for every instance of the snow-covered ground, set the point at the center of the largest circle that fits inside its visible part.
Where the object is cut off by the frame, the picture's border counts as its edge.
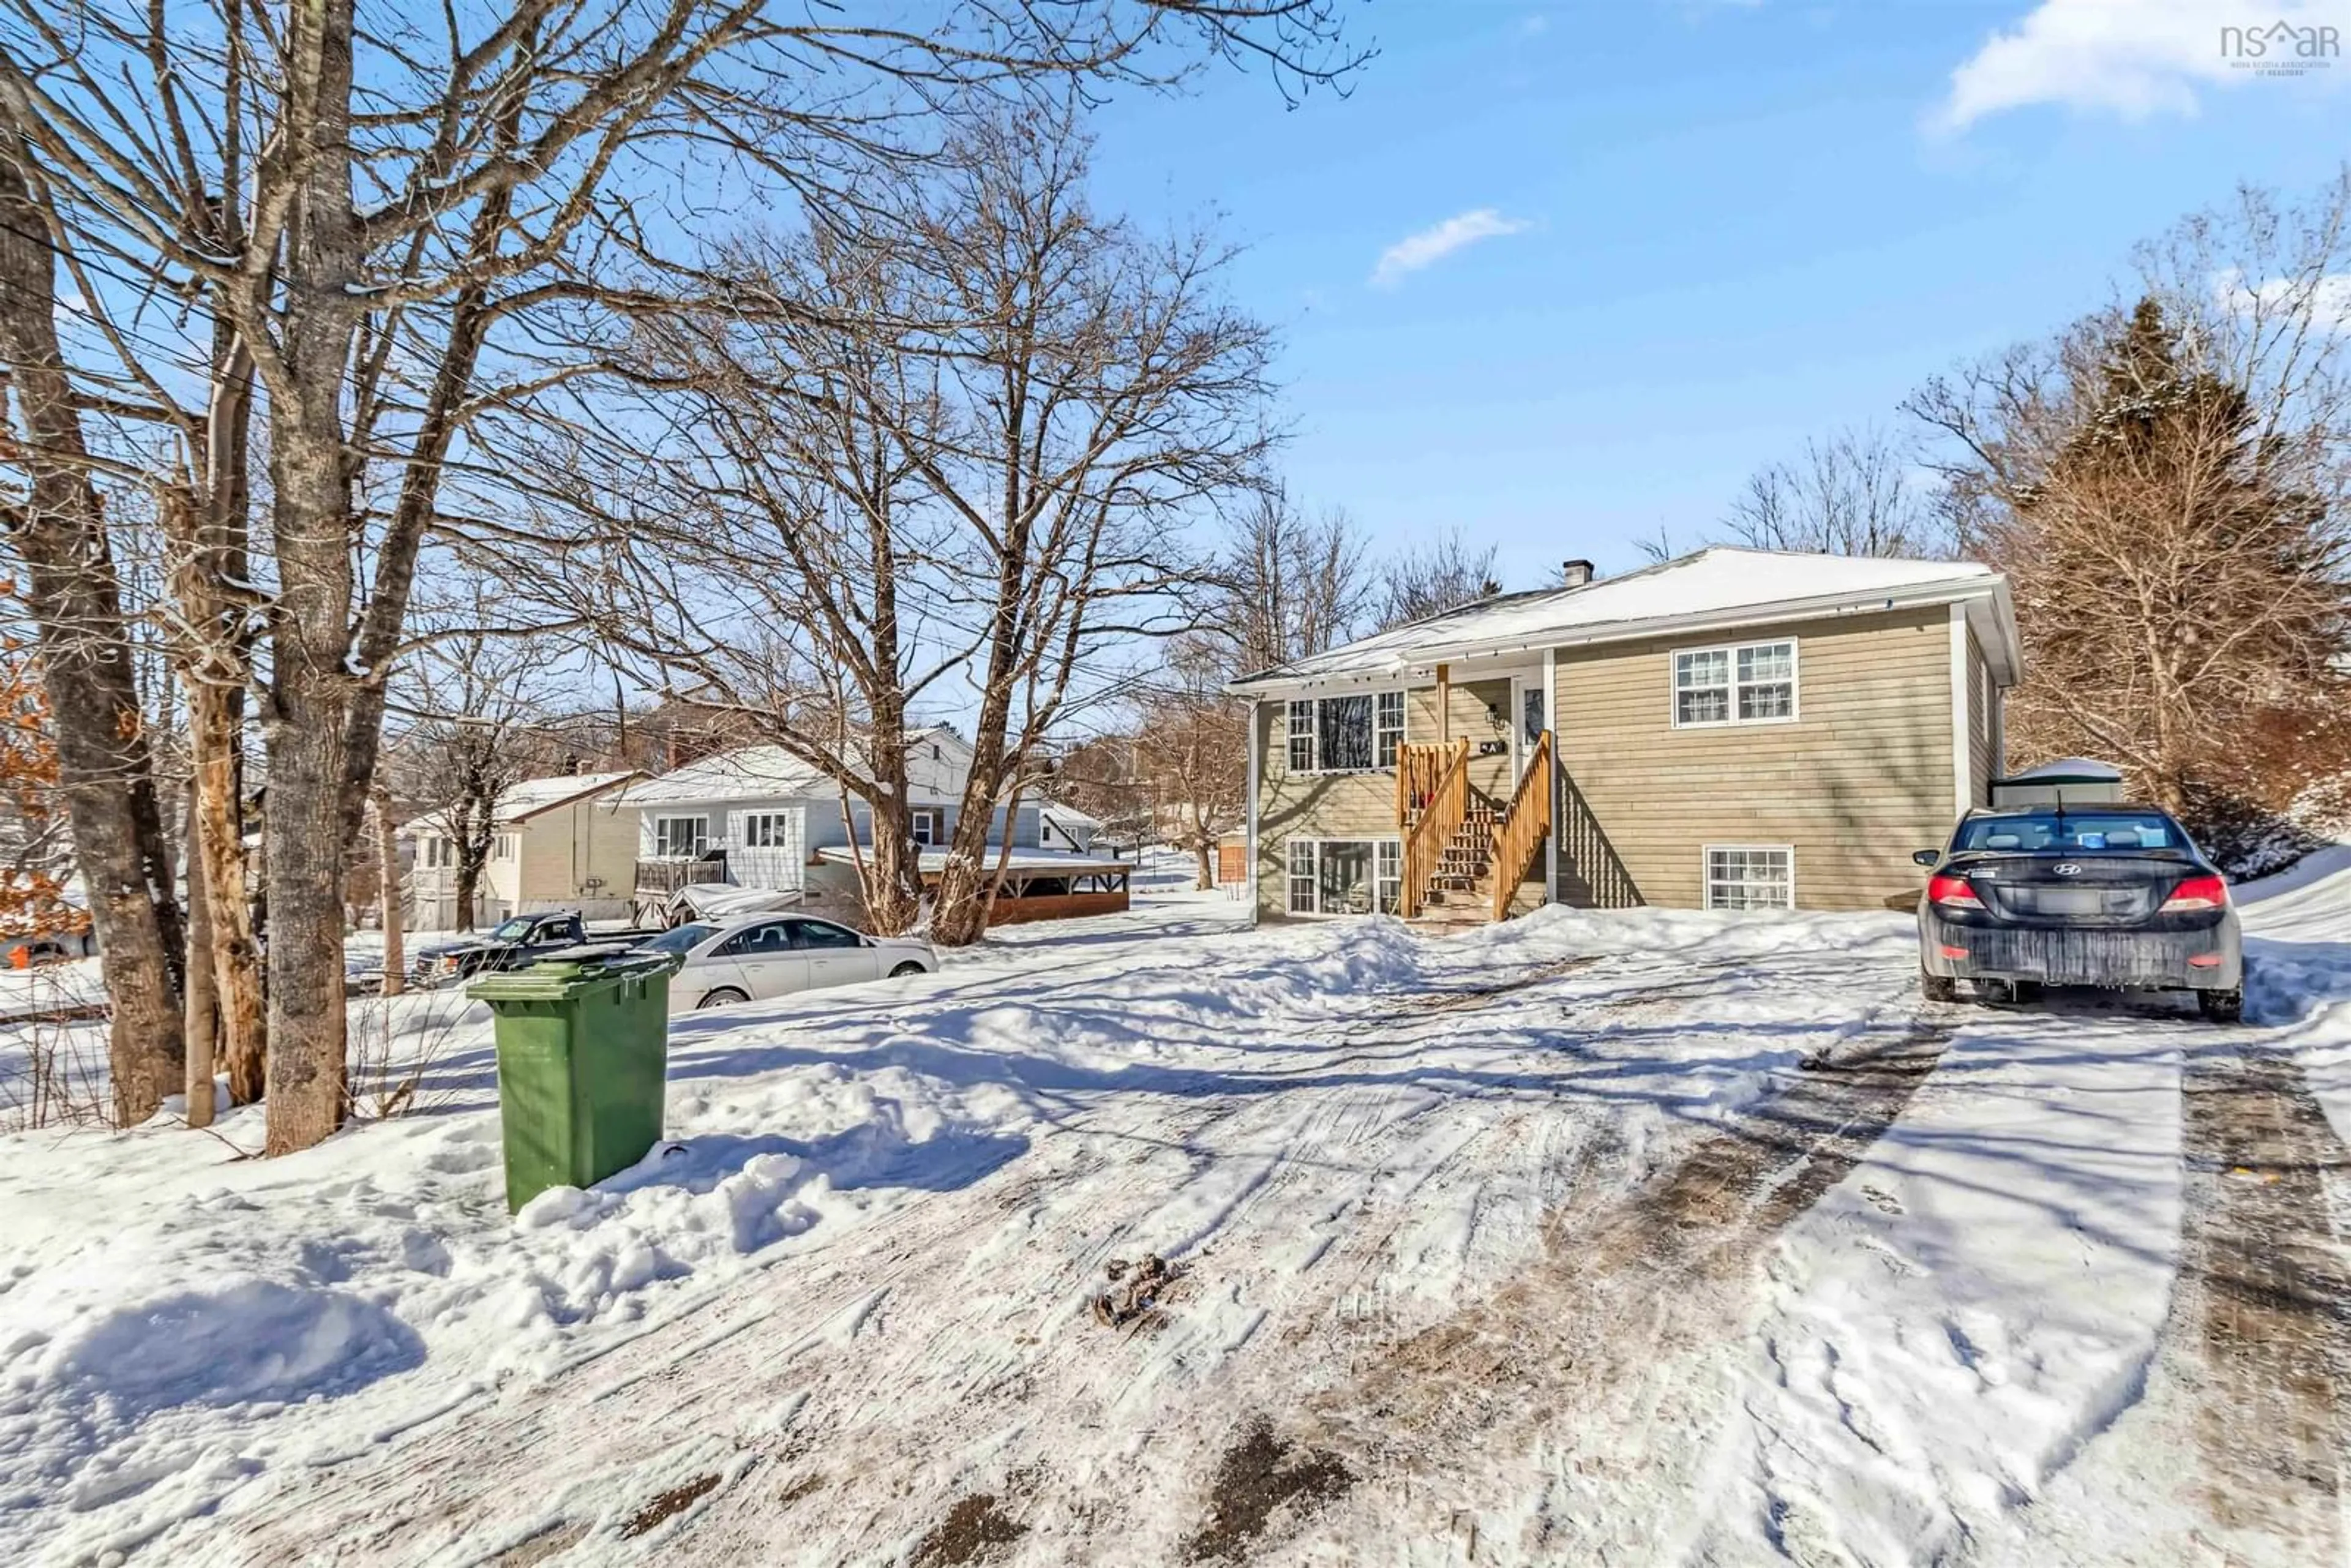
(1626, 1237)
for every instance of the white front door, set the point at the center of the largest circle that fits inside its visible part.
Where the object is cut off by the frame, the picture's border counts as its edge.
(1528, 719)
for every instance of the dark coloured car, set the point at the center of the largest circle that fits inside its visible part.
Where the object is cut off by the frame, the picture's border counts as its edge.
(2106, 895)
(513, 944)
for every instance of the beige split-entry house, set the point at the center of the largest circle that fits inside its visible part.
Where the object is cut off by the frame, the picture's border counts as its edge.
(564, 842)
(1734, 729)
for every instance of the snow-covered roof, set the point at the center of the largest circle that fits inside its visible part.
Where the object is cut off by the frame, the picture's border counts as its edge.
(526, 799)
(1720, 586)
(770, 772)
(520, 801)
(748, 772)
(1064, 816)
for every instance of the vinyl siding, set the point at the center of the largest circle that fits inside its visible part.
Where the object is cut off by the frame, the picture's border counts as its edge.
(1981, 696)
(1471, 706)
(1312, 805)
(1857, 781)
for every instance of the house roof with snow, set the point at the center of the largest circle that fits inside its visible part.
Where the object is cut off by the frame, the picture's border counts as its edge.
(519, 802)
(1721, 586)
(528, 797)
(770, 772)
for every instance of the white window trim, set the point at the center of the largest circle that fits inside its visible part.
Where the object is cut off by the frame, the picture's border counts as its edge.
(1402, 730)
(779, 829)
(1377, 841)
(1706, 871)
(1730, 652)
(923, 822)
(701, 817)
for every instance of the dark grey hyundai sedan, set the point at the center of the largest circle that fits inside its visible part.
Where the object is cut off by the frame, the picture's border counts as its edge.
(2106, 896)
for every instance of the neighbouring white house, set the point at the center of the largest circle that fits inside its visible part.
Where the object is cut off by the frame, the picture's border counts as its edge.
(756, 817)
(565, 843)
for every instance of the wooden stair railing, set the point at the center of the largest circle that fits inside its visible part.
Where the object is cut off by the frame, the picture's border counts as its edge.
(1418, 771)
(1443, 806)
(1519, 835)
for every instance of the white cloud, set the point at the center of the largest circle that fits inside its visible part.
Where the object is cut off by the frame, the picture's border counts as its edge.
(1433, 244)
(2132, 58)
(2324, 300)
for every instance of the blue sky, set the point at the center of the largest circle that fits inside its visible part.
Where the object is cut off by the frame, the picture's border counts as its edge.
(1691, 231)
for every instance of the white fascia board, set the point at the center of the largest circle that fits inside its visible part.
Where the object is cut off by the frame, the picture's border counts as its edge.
(1962, 733)
(1394, 665)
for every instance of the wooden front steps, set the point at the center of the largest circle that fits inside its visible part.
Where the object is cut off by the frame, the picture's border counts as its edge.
(1460, 891)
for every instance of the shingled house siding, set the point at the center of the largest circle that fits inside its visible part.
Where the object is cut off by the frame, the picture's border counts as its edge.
(1857, 781)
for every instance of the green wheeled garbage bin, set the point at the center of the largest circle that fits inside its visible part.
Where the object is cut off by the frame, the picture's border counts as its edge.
(583, 1059)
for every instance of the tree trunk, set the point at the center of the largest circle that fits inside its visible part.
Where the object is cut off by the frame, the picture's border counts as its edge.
(1203, 847)
(234, 953)
(312, 678)
(203, 997)
(959, 915)
(893, 868)
(104, 770)
(387, 879)
(469, 884)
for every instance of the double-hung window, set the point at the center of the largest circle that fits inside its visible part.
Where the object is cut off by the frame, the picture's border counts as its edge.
(767, 831)
(1751, 876)
(1387, 733)
(1345, 876)
(1749, 683)
(1301, 736)
(1346, 735)
(925, 823)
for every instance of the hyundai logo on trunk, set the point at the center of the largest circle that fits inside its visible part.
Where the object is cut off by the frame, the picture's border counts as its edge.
(2067, 868)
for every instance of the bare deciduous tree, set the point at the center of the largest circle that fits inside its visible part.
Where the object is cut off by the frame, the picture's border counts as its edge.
(945, 456)
(1430, 579)
(1191, 748)
(380, 214)
(1289, 585)
(1853, 493)
(2179, 547)
(56, 529)
(475, 693)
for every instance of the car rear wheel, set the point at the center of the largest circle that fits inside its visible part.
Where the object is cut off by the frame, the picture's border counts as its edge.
(1938, 987)
(2223, 1006)
(725, 996)
(906, 969)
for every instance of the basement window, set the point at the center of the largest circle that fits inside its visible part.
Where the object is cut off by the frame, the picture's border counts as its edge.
(1345, 876)
(1751, 876)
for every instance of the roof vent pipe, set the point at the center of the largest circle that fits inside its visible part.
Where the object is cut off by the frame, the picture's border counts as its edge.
(1576, 573)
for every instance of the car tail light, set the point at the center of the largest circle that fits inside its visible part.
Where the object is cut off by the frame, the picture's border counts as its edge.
(2196, 893)
(2205, 961)
(1952, 890)
(1950, 952)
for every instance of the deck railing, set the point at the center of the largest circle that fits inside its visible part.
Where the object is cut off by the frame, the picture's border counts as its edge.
(1519, 831)
(1418, 771)
(1443, 807)
(667, 875)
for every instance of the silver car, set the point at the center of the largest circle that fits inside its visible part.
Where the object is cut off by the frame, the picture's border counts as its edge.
(763, 956)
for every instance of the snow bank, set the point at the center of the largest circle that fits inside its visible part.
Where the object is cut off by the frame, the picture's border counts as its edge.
(321, 1306)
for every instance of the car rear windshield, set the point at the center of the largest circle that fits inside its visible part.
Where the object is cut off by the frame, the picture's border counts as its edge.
(2069, 833)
